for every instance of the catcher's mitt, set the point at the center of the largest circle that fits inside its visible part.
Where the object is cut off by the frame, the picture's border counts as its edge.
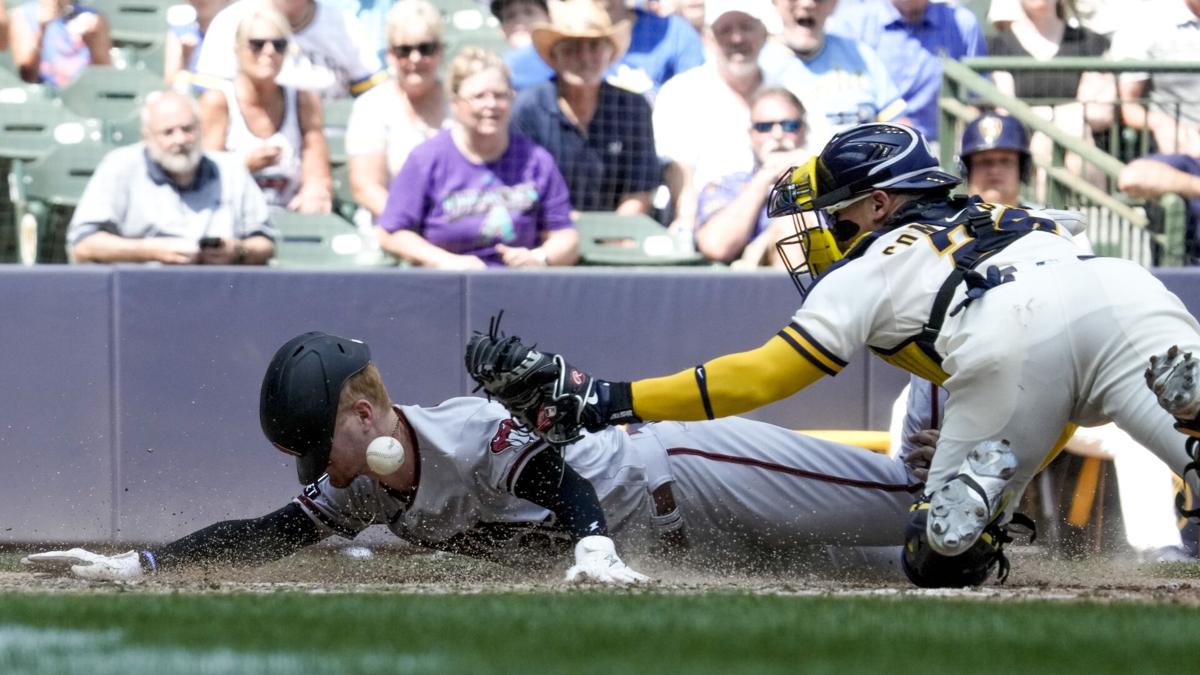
(543, 392)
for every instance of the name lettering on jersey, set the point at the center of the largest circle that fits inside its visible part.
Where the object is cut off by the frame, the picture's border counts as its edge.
(905, 239)
(508, 435)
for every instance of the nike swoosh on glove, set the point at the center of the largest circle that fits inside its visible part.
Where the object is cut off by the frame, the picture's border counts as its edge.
(87, 565)
(596, 560)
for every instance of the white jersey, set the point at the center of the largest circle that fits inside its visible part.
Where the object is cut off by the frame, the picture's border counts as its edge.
(331, 55)
(738, 484)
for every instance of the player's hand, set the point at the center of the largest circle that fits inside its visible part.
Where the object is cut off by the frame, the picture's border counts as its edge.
(596, 560)
(919, 457)
(86, 565)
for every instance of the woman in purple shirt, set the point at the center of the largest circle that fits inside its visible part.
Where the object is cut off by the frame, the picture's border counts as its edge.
(474, 195)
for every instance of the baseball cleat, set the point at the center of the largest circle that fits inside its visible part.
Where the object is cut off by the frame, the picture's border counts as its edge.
(960, 510)
(1174, 377)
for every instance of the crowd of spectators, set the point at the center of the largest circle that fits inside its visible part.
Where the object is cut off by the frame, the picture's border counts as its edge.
(686, 111)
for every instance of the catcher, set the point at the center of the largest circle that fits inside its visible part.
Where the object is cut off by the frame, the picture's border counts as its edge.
(472, 482)
(993, 303)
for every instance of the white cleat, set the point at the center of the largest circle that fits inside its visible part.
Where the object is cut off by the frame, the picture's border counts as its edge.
(1174, 377)
(961, 509)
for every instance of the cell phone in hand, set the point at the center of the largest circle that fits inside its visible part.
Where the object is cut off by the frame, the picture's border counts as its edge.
(211, 242)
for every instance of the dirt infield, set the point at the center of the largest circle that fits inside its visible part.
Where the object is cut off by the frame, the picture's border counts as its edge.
(1034, 577)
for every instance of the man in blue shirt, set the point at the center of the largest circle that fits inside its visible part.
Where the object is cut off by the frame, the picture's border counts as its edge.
(1156, 175)
(910, 36)
(660, 48)
(517, 18)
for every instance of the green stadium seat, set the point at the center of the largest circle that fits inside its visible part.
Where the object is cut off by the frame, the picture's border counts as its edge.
(110, 94)
(343, 196)
(308, 240)
(48, 190)
(32, 128)
(607, 238)
(137, 23)
(337, 115)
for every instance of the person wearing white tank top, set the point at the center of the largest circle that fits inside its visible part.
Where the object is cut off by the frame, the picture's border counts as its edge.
(277, 131)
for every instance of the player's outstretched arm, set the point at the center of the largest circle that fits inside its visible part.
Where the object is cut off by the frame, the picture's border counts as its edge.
(551, 483)
(254, 541)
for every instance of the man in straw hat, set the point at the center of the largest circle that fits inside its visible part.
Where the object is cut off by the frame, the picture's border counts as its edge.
(600, 135)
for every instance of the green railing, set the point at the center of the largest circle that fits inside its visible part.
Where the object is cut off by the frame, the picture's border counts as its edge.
(1119, 226)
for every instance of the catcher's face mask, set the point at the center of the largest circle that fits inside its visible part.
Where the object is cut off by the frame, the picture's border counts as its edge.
(820, 238)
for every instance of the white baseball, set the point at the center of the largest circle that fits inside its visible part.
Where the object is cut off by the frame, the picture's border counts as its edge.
(384, 455)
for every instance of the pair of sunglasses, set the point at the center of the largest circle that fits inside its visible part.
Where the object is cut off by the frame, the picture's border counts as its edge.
(425, 49)
(278, 44)
(788, 126)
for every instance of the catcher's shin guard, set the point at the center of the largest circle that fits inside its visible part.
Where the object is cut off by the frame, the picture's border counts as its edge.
(927, 568)
(960, 509)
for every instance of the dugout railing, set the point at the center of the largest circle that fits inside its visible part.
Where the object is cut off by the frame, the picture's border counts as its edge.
(1151, 233)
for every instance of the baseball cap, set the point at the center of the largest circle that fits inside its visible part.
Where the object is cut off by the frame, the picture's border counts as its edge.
(299, 396)
(763, 10)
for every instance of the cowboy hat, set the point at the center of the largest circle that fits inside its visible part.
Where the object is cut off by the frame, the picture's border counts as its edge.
(579, 19)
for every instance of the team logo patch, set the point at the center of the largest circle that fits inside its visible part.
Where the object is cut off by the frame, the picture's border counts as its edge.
(546, 417)
(508, 436)
(576, 377)
(990, 129)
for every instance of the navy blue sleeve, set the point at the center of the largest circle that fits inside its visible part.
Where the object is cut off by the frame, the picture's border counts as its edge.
(551, 483)
(254, 541)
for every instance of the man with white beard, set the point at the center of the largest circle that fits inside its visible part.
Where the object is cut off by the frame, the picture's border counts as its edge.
(165, 200)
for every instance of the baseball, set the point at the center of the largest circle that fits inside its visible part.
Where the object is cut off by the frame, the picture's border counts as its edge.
(384, 455)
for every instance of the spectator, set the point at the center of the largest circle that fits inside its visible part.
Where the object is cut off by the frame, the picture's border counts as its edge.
(165, 200)
(332, 54)
(733, 209)
(599, 136)
(387, 122)
(1077, 103)
(737, 32)
(1164, 30)
(836, 75)
(691, 11)
(994, 158)
(54, 40)
(3, 27)
(1156, 175)
(476, 195)
(517, 19)
(188, 25)
(911, 37)
(276, 130)
(660, 48)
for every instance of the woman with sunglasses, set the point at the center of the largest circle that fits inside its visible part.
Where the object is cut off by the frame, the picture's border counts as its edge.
(390, 120)
(278, 131)
(474, 195)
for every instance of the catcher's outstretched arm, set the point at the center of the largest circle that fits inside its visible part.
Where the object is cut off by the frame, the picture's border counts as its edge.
(732, 384)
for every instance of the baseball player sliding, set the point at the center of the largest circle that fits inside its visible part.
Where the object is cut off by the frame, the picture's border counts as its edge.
(993, 303)
(468, 480)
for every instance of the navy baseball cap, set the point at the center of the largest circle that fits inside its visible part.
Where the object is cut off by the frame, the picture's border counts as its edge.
(299, 398)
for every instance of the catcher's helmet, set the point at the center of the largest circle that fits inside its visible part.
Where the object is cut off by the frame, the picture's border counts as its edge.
(854, 162)
(994, 132)
(299, 398)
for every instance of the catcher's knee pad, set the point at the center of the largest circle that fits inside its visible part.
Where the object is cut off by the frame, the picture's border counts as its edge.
(961, 508)
(927, 568)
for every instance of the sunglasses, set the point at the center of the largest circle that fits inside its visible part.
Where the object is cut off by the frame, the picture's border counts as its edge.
(788, 126)
(425, 49)
(278, 44)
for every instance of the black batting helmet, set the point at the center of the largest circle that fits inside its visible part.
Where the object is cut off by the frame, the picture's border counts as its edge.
(995, 132)
(298, 402)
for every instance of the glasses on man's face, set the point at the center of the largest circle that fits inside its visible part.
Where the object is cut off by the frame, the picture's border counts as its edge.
(425, 49)
(258, 44)
(788, 126)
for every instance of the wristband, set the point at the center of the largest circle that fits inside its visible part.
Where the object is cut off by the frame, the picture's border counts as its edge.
(151, 561)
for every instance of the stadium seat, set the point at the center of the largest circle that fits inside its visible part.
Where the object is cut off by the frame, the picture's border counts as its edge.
(137, 23)
(337, 115)
(110, 94)
(607, 238)
(47, 191)
(343, 196)
(310, 240)
(33, 128)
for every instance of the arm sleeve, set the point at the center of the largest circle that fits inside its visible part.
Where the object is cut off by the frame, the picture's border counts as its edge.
(103, 203)
(256, 541)
(691, 49)
(255, 215)
(363, 64)
(366, 129)
(888, 101)
(408, 193)
(736, 383)
(551, 483)
(555, 196)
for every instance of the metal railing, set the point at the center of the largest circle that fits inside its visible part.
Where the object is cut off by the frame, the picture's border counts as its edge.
(1119, 226)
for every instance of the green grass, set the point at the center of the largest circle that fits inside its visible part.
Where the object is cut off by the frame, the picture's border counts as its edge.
(581, 633)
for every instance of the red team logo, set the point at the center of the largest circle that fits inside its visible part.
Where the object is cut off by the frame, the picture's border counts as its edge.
(501, 441)
(576, 377)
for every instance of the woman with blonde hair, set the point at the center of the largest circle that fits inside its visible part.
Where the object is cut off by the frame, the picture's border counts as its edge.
(390, 120)
(278, 131)
(475, 195)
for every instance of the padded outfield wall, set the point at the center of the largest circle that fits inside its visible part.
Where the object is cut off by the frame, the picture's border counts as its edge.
(130, 394)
